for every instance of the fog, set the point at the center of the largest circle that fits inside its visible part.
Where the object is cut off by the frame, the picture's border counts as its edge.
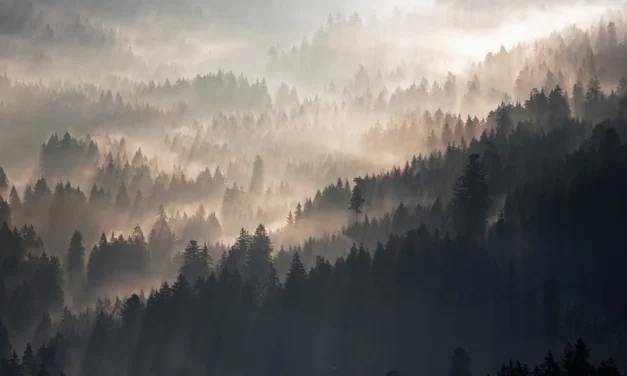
(312, 91)
(241, 142)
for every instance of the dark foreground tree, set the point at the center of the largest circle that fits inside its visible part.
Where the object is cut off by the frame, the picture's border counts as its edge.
(471, 201)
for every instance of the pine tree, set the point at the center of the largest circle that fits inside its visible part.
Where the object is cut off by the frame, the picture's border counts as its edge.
(238, 254)
(95, 361)
(607, 368)
(42, 331)
(356, 203)
(295, 282)
(549, 367)
(29, 364)
(256, 182)
(5, 211)
(621, 90)
(579, 99)
(5, 342)
(298, 214)
(258, 258)
(575, 361)
(581, 360)
(161, 237)
(15, 365)
(460, 363)
(504, 122)
(76, 260)
(195, 262)
(558, 104)
(4, 181)
(593, 97)
(16, 205)
(471, 201)
(122, 200)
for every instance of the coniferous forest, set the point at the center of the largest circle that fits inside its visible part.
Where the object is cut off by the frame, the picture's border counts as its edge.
(281, 187)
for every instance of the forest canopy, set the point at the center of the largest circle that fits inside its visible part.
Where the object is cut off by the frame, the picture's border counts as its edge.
(289, 188)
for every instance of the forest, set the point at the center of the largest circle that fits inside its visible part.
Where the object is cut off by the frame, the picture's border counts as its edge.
(250, 188)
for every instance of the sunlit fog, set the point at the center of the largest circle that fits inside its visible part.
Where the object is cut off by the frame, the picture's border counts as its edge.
(290, 187)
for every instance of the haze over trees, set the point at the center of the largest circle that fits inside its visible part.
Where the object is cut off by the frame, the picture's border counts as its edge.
(289, 188)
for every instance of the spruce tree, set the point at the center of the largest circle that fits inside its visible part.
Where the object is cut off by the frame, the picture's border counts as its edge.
(460, 363)
(356, 203)
(256, 182)
(471, 201)
(5, 342)
(295, 282)
(259, 259)
(195, 262)
(76, 260)
(29, 364)
(298, 214)
(4, 181)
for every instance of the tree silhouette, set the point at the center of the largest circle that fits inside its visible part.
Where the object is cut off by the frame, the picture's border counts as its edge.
(76, 260)
(5, 342)
(471, 201)
(4, 181)
(195, 262)
(295, 282)
(357, 200)
(256, 182)
(460, 363)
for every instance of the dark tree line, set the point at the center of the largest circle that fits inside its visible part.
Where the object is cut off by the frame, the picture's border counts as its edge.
(528, 280)
(507, 238)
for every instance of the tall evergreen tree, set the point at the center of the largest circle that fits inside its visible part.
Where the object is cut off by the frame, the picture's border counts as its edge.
(471, 201)
(76, 260)
(29, 363)
(5, 211)
(256, 182)
(295, 282)
(122, 200)
(4, 181)
(298, 214)
(460, 363)
(5, 342)
(161, 238)
(550, 367)
(196, 262)
(259, 259)
(356, 203)
(16, 206)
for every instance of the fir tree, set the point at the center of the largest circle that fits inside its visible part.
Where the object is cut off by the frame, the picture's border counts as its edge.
(471, 201)
(295, 282)
(76, 260)
(195, 262)
(4, 181)
(356, 203)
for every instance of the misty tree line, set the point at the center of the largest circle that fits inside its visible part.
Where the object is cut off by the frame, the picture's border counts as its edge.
(116, 193)
(403, 305)
(506, 240)
(565, 58)
(606, 46)
(586, 160)
(429, 179)
(563, 65)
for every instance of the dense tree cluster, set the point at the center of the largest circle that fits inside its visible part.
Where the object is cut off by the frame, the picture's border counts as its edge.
(224, 225)
(478, 285)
